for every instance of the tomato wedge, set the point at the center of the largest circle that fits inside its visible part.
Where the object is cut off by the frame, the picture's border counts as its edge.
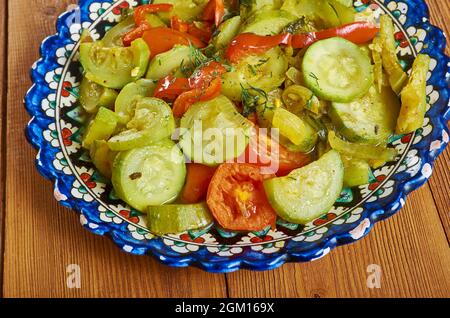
(197, 181)
(170, 87)
(265, 152)
(185, 100)
(237, 199)
(251, 44)
(206, 74)
(162, 39)
(214, 11)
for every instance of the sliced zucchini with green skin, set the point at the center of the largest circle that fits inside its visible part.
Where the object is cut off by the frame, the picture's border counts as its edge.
(101, 127)
(94, 96)
(319, 11)
(266, 71)
(361, 151)
(267, 22)
(226, 32)
(337, 70)
(114, 67)
(370, 119)
(299, 132)
(149, 176)
(213, 132)
(308, 192)
(113, 36)
(125, 104)
(186, 10)
(356, 171)
(249, 7)
(153, 120)
(177, 218)
(168, 62)
(102, 157)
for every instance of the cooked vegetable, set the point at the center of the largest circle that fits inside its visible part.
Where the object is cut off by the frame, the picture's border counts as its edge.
(113, 36)
(397, 77)
(166, 63)
(370, 119)
(337, 70)
(265, 72)
(272, 157)
(177, 218)
(248, 7)
(214, 12)
(295, 129)
(149, 176)
(152, 121)
(197, 181)
(356, 171)
(162, 39)
(214, 132)
(296, 98)
(125, 103)
(226, 32)
(101, 127)
(237, 200)
(308, 192)
(361, 151)
(267, 22)
(102, 157)
(414, 97)
(187, 10)
(94, 96)
(377, 50)
(116, 66)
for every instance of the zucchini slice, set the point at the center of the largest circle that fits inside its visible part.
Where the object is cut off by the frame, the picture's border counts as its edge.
(370, 119)
(213, 132)
(149, 176)
(308, 192)
(337, 70)
(177, 218)
(101, 127)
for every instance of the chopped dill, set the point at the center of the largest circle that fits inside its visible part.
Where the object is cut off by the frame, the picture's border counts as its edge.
(251, 98)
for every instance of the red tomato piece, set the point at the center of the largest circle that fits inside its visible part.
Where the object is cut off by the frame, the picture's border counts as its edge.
(197, 181)
(237, 199)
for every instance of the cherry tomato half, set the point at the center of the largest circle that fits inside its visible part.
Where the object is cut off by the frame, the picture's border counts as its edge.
(198, 178)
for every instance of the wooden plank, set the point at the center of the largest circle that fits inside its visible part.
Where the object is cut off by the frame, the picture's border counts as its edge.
(440, 181)
(3, 51)
(410, 249)
(42, 238)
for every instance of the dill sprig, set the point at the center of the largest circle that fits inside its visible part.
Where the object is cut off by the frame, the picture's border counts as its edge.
(252, 97)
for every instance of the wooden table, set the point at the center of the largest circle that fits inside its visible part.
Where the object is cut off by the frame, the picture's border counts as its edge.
(40, 238)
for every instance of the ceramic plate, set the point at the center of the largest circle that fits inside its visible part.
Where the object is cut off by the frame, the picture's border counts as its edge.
(56, 128)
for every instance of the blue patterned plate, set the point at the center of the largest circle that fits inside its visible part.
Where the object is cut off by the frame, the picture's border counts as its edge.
(56, 128)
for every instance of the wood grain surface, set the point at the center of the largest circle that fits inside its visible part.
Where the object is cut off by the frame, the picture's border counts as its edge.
(40, 238)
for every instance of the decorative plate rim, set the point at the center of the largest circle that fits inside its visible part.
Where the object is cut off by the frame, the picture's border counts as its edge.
(39, 122)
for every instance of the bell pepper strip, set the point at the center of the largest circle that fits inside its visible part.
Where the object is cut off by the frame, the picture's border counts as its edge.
(185, 100)
(414, 97)
(136, 33)
(202, 77)
(169, 87)
(214, 11)
(198, 178)
(141, 22)
(142, 11)
(251, 44)
(358, 33)
(204, 33)
(162, 39)
(177, 24)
